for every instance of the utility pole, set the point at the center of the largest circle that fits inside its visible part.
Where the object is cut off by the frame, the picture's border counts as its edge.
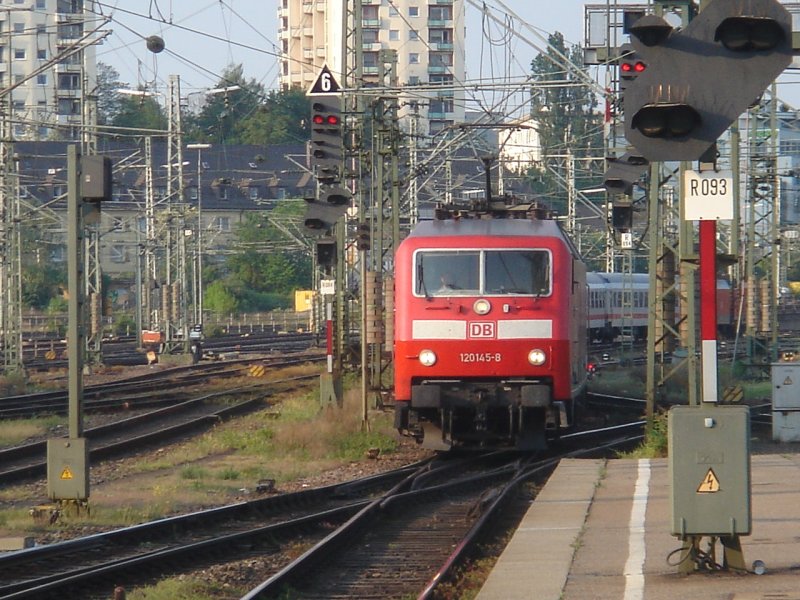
(174, 298)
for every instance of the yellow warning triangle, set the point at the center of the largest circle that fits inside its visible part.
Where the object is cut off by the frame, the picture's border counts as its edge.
(66, 473)
(710, 483)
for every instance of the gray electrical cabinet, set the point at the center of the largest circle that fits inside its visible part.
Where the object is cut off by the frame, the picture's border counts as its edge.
(709, 469)
(67, 469)
(786, 402)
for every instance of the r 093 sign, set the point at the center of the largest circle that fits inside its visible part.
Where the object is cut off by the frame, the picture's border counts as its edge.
(709, 195)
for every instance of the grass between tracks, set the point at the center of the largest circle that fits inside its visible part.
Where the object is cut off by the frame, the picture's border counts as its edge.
(291, 439)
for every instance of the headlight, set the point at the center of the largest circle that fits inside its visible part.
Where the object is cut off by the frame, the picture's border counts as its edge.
(482, 306)
(427, 358)
(537, 357)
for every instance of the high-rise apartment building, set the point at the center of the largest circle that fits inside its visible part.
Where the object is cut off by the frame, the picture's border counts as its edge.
(426, 35)
(38, 43)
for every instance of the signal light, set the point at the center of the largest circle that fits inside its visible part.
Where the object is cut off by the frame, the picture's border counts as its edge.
(667, 120)
(363, 241)
(632, 69)
(745, 34)
(326, 135)
(699, 79)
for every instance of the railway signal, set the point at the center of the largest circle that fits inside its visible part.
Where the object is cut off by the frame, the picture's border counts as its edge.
(623, 173)
(630, 65)
(700, 79)
(363, 237)
(326, 137)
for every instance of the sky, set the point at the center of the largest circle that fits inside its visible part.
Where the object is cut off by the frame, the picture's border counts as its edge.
(252, 25)
(202, 37)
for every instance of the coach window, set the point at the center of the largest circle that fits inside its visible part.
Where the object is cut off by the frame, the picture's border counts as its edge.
(517, 272)
(447, 273)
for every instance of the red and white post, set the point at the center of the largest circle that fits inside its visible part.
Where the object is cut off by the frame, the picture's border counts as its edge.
(708, 308)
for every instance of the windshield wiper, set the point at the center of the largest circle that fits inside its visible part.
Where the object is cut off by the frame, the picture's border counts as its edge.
(421, 281)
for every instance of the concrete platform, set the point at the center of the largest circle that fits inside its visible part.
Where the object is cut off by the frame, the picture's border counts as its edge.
(600, 530)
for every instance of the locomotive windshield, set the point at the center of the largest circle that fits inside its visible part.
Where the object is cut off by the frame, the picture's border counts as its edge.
(489, 272)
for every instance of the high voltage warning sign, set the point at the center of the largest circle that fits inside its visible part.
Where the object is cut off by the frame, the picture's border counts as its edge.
(710, 483)
(66, 473)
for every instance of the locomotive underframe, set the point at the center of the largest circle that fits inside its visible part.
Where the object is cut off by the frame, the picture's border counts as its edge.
(519, 413)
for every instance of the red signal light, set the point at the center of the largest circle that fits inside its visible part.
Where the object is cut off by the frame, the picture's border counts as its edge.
(318, 119)
(633, 68)
(333, 120)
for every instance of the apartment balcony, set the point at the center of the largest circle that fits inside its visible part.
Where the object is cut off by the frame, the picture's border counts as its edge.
(308, 8)
(321, 52)
(308, 53)
(440, 24)
(438, 69)
(443, 46)
(320, 6)
(371, 23)
(446, 2)
(297, 32)
(370, 70)
(375, 46)
(436, 115)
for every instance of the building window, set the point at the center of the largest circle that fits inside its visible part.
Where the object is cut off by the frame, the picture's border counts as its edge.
(58, 191)
(69, 106)
(440, 36)
(394, 35)
(371, 36)
(41, 79)
(222, 192)
(19, 27)
(69, 81)
(370, 13)
(18, 105)
(222, 224)
(41, 29)
(413, 35)
(19, 53)
(141, 224)
(413, 11)
(413, 58)
(441, 59)
(254, 192)
(117, 224)
(193, 193)
(393, 12)
(441, 105)
(441, 79)
(41, 53)
(440, 13)
(41, 4)
(413, 80)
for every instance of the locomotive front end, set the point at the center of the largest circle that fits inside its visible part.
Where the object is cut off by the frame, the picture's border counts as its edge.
(483, 349)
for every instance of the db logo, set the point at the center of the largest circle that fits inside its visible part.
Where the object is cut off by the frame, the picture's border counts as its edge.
(481, 330)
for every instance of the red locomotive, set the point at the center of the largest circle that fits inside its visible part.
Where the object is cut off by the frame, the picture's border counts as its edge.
(490, 332)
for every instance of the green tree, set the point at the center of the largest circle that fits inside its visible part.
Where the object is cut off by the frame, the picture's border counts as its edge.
(140, 112)
(219, 298)
(565, 109)
(281, 118)
(109, 100)
(220, 119)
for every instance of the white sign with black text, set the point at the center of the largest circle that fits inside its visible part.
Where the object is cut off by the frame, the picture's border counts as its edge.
(708, 195)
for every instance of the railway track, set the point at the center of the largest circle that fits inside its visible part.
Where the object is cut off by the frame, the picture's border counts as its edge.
(167, 423)
(450, 500)
(149, 390)
(410, 541)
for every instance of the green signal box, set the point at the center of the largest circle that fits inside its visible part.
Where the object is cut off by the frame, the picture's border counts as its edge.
(709, 468)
